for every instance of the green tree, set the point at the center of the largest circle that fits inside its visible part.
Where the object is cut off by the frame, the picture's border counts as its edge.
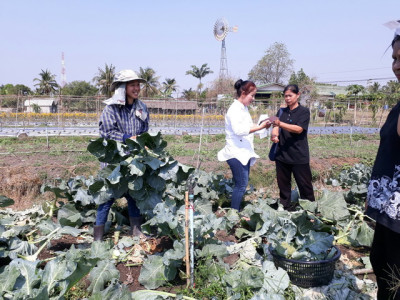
(150, 88)
(46, 83)
(391, 87)
(199, 73)
(300, 78)
(274, 66)
(36, 108)
(104, 79)
(169, 86)
(10, 89)
(354, 90)
(23, 89)
(374, 88)
(391, 91)
(79, 88)
(7, 89)
(189, 94)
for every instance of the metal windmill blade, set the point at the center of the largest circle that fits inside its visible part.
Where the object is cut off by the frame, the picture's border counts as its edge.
(221, 29)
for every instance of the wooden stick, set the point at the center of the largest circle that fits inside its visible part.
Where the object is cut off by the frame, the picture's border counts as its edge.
(363, 271)
(187, 261)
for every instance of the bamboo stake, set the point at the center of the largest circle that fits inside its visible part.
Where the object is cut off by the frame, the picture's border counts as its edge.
(187, 261)
(191, 225)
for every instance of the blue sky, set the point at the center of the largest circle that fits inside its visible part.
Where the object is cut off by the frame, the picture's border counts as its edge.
(339, 40)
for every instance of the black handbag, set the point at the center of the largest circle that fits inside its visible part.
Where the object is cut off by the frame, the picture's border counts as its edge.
(274, 147)
(272, 151)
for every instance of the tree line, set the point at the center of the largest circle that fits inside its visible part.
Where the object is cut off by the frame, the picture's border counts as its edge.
(275, 66)
(46, 84)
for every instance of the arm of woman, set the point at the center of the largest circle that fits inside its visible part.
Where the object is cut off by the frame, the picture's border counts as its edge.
(289, 127)
(275, 134)
(240, 124)
(398, 126)
(265, 124)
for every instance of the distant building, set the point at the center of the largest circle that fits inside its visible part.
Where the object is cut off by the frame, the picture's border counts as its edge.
(330, 91)
(269, 90)
(171, 106)
(42, 105)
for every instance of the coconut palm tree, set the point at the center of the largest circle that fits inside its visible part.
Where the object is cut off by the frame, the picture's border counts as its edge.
(46, 83)
(199, 73)
(355, 89)
(169, 86)
(150, 88)
(374, 88)
(104, 79)
(189, 94)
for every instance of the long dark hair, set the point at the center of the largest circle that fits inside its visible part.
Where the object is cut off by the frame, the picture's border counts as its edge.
(396, 38)
(244, 87)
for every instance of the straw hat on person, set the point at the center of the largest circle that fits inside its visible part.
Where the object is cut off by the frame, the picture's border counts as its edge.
(125, 76)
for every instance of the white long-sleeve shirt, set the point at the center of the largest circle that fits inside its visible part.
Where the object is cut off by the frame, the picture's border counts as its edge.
(239, 140)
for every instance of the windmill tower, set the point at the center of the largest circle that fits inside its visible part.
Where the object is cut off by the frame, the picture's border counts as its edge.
(63, 75)
(221, 29)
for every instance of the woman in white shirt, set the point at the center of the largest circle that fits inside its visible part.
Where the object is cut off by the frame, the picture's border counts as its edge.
(239, 149)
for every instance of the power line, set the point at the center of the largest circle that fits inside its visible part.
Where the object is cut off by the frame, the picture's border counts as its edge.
(356, 70)
(358, 80)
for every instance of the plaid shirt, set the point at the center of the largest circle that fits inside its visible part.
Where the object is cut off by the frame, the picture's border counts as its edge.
(117, 121)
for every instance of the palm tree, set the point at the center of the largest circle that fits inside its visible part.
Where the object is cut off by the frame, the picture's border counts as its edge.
(392, 87)
(104, 79)
(151, 86)
(169, 86)
(189, 94)
(199, 73)
(46, 83)
(374, 88)
(355, 89)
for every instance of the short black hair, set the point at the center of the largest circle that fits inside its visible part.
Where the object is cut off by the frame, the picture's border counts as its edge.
(291, 87)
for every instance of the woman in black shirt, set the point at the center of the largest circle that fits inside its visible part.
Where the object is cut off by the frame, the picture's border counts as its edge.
(383, 198)
(292, 155)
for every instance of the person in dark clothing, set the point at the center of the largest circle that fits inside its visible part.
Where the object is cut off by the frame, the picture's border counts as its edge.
(383, 198)
(292, 154)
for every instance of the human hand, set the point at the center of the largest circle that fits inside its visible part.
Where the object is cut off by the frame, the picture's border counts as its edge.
(266, 124)
(275, 138)
(277, 123)
(133, 137)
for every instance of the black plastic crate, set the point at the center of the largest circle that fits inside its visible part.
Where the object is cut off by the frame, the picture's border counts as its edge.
(308, 273)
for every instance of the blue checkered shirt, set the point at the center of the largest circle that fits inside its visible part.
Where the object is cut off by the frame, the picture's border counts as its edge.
(117, 121)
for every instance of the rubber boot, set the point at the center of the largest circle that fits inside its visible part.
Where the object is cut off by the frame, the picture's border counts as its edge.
(136, 223)
(98, 232)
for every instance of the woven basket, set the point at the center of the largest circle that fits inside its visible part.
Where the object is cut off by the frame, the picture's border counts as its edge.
(308, 273)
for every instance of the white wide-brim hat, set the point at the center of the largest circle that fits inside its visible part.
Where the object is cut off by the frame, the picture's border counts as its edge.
(125, 76)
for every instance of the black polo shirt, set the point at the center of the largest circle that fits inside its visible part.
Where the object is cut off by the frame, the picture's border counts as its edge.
(293, 148)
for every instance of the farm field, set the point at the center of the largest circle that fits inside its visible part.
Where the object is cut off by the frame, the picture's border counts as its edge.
(28, 163)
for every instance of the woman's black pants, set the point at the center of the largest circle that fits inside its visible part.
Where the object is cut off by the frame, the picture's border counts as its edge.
(302, 175)
(385, 260)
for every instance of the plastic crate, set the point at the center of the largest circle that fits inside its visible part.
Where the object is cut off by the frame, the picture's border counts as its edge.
(308, 273)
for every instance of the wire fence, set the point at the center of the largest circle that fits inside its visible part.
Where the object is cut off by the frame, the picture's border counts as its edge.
(67, 111)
